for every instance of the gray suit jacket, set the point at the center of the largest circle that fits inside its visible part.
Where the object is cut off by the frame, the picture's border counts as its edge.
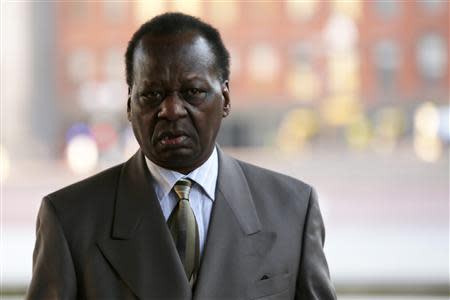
(106, 238)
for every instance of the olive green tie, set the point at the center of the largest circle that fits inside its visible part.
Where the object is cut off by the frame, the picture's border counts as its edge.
(184, 229)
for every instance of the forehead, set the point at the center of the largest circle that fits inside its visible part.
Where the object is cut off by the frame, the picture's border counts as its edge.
(184, 52)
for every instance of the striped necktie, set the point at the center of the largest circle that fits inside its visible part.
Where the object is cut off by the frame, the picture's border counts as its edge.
(184, 229)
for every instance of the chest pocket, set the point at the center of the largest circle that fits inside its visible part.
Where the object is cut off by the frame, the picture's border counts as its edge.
(271, 286)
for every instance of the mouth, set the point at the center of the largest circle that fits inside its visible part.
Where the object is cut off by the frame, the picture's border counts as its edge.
(169, 138)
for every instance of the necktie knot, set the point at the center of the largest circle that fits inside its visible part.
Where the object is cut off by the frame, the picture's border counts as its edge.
(182, 188)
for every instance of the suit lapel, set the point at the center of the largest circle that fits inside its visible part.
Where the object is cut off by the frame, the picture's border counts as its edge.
(141, 249)
(236, 243)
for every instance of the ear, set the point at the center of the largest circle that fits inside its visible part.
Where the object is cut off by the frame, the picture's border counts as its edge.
(129, 105)
(226, 97)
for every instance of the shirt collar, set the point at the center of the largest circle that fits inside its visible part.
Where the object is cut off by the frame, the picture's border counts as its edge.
(205, 176)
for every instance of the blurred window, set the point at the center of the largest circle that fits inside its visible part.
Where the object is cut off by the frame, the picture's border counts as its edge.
(264, 62)
(145, 10)
(302, 82)
(303, 52)
(235, 60)
(387, 8)
(223, 13)
(77, 10)
(113, 67)
(80, 65)
(351, 9)
(386, 55)
(387, 62)
(432, 6)
(432, 56)
(340, 34)
(115, 11)
(262, 11)
(191, 7)
(301, 10)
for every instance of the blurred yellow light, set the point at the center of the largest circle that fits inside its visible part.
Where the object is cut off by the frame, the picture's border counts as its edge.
(391, 123)
(389, 127)
(297, 127)
(4, 164)
(82, 154)
(426, 120)
(358, 134)
(428, 149)
(303, 83)
(349, 8)
(341, 110)
(343, 72)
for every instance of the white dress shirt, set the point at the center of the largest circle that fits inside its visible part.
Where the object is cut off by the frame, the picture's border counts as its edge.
(201, 196)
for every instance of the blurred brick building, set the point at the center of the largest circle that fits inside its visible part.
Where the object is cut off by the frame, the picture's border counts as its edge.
(342, 57)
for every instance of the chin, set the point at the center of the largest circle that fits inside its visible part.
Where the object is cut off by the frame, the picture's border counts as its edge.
(175, 158)
(182, 166)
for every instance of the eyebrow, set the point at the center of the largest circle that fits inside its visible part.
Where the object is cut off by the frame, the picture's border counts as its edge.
(202, 79)
(149, 83)
(186, 79)
(193, 76)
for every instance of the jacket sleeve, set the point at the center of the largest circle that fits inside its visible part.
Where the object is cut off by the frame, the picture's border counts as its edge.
(313, 281)
(53, 271)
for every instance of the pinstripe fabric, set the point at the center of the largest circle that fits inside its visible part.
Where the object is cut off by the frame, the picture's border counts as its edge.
(184, 229)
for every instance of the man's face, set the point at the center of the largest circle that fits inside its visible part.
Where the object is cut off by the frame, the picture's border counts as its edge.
(177, 101)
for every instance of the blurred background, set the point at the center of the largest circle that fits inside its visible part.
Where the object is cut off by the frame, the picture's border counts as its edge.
(349, 96)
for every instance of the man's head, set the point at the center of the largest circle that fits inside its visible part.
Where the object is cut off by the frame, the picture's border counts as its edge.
(177, 74)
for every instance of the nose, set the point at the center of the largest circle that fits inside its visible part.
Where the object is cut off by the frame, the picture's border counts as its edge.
(172, 108)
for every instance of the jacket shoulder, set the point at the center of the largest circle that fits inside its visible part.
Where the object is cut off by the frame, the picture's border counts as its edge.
(276, 194)
(93, 187)
(255, 173)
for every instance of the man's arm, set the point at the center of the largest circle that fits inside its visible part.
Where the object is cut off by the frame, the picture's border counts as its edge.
(53, 271)
(313, 282)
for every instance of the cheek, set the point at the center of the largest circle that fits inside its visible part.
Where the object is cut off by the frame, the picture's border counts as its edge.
(211, 121)
(142, 123)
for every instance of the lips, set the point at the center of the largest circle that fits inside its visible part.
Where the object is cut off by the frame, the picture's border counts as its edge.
(173, 141)
(172, 138)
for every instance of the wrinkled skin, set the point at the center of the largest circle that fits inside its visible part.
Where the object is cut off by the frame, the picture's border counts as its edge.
(177, 100)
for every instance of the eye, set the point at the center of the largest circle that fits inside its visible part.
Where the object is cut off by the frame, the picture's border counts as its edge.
(194, 94)
(194, 91)
(152, 96)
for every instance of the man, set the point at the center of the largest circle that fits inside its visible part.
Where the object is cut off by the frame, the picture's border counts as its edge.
(180, 219)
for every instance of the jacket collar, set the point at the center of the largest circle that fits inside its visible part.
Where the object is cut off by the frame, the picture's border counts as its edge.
(140, 248)
(135, 192)
(232, 184)
(236, 243)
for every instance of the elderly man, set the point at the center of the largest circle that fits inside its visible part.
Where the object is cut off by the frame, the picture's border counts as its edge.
(180, 219)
